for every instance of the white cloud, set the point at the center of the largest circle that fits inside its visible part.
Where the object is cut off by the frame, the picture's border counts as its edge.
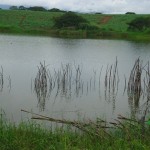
(107, 6)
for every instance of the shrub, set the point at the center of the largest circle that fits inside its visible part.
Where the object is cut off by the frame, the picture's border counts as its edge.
(68, 19)
(86, 26)
(139, 24)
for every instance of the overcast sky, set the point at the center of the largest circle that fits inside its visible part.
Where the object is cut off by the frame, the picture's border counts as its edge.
(104, 6)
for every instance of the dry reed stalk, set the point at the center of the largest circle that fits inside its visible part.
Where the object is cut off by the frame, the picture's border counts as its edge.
(91, 128)
(111, 82)
(134, 89)
(100, 76)
(1, 79)
(41, 85)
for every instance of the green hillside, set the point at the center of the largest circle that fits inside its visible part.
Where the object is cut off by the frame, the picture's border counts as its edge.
(31, 22)
(112, 22)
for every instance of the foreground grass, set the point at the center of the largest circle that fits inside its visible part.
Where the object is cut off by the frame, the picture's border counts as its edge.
(31, 136)
(41, 23)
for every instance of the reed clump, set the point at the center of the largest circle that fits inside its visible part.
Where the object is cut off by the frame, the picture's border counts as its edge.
(69, 81)
(1, 79)
(41, 85)
(138, 88)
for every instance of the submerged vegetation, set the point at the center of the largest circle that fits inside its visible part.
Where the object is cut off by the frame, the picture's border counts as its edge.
(69, 81)
(96, 25)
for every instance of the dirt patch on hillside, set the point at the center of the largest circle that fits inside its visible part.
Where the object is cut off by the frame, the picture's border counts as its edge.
(105, 19)
(22, 20)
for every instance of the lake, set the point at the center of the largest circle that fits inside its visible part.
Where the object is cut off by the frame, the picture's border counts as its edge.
(69, 78)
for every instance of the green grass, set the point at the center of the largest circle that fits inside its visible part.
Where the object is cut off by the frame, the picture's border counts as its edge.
(41, 23)
(27, 19)
(117, 23)
(31, 136)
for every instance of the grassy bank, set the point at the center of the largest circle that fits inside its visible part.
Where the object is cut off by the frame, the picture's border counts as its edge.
(31, 136)
(41, 23)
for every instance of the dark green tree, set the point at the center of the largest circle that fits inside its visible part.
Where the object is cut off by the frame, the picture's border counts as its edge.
(56, 10)
(130, 13)
(22, 8)
(69, 19)
(13, 7)
(37, 8)
(139, 24)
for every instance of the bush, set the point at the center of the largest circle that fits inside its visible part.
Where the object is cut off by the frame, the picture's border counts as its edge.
(68, 19)
(86, 26)
(139, 24)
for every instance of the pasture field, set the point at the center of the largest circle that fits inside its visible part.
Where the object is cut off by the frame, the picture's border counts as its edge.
(41, 23)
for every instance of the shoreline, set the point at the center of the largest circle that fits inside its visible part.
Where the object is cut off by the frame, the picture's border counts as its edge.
(125, 134)
(81, 34)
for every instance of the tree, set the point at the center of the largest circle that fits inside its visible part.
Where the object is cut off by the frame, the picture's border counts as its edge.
(37, 8)
(98, 13)
(69, 19)
(130, 13)
(56, 10)
(13, 7)
(22, 8)
(139, 24)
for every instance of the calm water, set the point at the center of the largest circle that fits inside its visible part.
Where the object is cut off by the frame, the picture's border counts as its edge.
(20, 57)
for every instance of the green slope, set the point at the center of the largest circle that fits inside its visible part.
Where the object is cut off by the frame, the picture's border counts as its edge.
(22, 21)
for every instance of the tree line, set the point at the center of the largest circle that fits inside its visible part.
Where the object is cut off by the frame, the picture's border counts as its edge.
(35, 8)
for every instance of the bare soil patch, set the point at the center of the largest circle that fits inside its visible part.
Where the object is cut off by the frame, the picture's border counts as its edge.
(105, 19)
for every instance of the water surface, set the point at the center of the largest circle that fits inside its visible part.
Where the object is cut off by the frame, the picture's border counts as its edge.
(20, 57)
